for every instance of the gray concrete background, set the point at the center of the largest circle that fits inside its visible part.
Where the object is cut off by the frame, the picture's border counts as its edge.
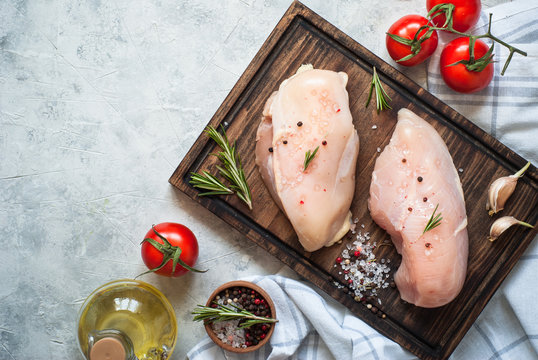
(99, 102)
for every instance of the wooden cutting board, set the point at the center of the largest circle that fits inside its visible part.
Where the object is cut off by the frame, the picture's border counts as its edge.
(303, 37)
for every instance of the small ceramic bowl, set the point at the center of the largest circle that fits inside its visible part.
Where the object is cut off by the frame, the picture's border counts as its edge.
(259, 290)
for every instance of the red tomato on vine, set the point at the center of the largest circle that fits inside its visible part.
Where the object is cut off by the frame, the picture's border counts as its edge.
(409, 42)
(462, 74)
(170, 249)
(465, 13)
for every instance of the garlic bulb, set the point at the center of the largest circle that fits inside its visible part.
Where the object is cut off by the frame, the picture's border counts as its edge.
(501, 224)
(501, 189)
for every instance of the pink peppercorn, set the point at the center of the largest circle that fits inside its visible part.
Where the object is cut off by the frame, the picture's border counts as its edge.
(338, 260)
(357, 253)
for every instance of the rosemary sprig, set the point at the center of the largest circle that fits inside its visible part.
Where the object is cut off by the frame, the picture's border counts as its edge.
(209, 182)
(381, 95)
(435, 220)
(232, 171)
(224, 313)
(309, 156)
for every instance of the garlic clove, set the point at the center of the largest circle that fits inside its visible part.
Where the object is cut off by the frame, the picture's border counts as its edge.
(499, 192)
(501, 224)
(501, 189)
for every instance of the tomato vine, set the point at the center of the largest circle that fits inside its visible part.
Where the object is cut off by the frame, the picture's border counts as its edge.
(472, 64)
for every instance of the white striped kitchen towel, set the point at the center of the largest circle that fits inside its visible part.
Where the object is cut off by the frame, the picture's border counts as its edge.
(315, 327)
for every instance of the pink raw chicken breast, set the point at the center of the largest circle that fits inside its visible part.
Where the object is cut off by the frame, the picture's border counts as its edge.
(310, 110)
(412, 175)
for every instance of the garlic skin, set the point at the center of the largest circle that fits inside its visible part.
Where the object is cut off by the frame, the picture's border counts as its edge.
(501, 189)
(502, 224)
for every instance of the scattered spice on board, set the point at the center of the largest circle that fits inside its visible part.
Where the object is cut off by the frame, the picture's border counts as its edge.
(363, 273)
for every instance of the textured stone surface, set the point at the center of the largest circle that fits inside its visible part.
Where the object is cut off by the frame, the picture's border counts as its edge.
(99, 101)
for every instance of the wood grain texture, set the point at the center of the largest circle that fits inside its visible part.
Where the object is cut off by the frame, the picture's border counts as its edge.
(303, 37)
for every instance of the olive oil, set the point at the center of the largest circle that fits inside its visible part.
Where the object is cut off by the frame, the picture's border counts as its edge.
(137, 310)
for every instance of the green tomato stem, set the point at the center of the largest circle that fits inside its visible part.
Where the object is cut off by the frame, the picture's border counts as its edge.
(488, 34)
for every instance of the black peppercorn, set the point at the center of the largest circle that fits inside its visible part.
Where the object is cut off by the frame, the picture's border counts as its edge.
(270, 149)
(285, 142)
(300, 123)
(419, 179)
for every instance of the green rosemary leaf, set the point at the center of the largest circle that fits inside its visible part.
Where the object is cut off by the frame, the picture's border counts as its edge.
(382, 98)
(225, 313)
(434, 221)
(231, 170)
(209, 182)
(309, 156)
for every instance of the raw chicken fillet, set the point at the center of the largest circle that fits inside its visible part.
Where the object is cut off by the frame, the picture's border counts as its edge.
(310, 110)
(412, 175)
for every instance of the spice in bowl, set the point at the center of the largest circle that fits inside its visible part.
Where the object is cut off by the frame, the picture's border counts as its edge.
(239, 316)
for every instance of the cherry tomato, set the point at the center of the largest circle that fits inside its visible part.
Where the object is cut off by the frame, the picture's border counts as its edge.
(466, 13)
(458, 77)
(180, 238)
(406, 28)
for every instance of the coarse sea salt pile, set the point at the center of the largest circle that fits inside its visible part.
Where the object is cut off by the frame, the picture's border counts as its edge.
(363, 273)
(228, 331)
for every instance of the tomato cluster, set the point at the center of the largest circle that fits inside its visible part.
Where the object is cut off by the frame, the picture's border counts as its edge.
(413, 39)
